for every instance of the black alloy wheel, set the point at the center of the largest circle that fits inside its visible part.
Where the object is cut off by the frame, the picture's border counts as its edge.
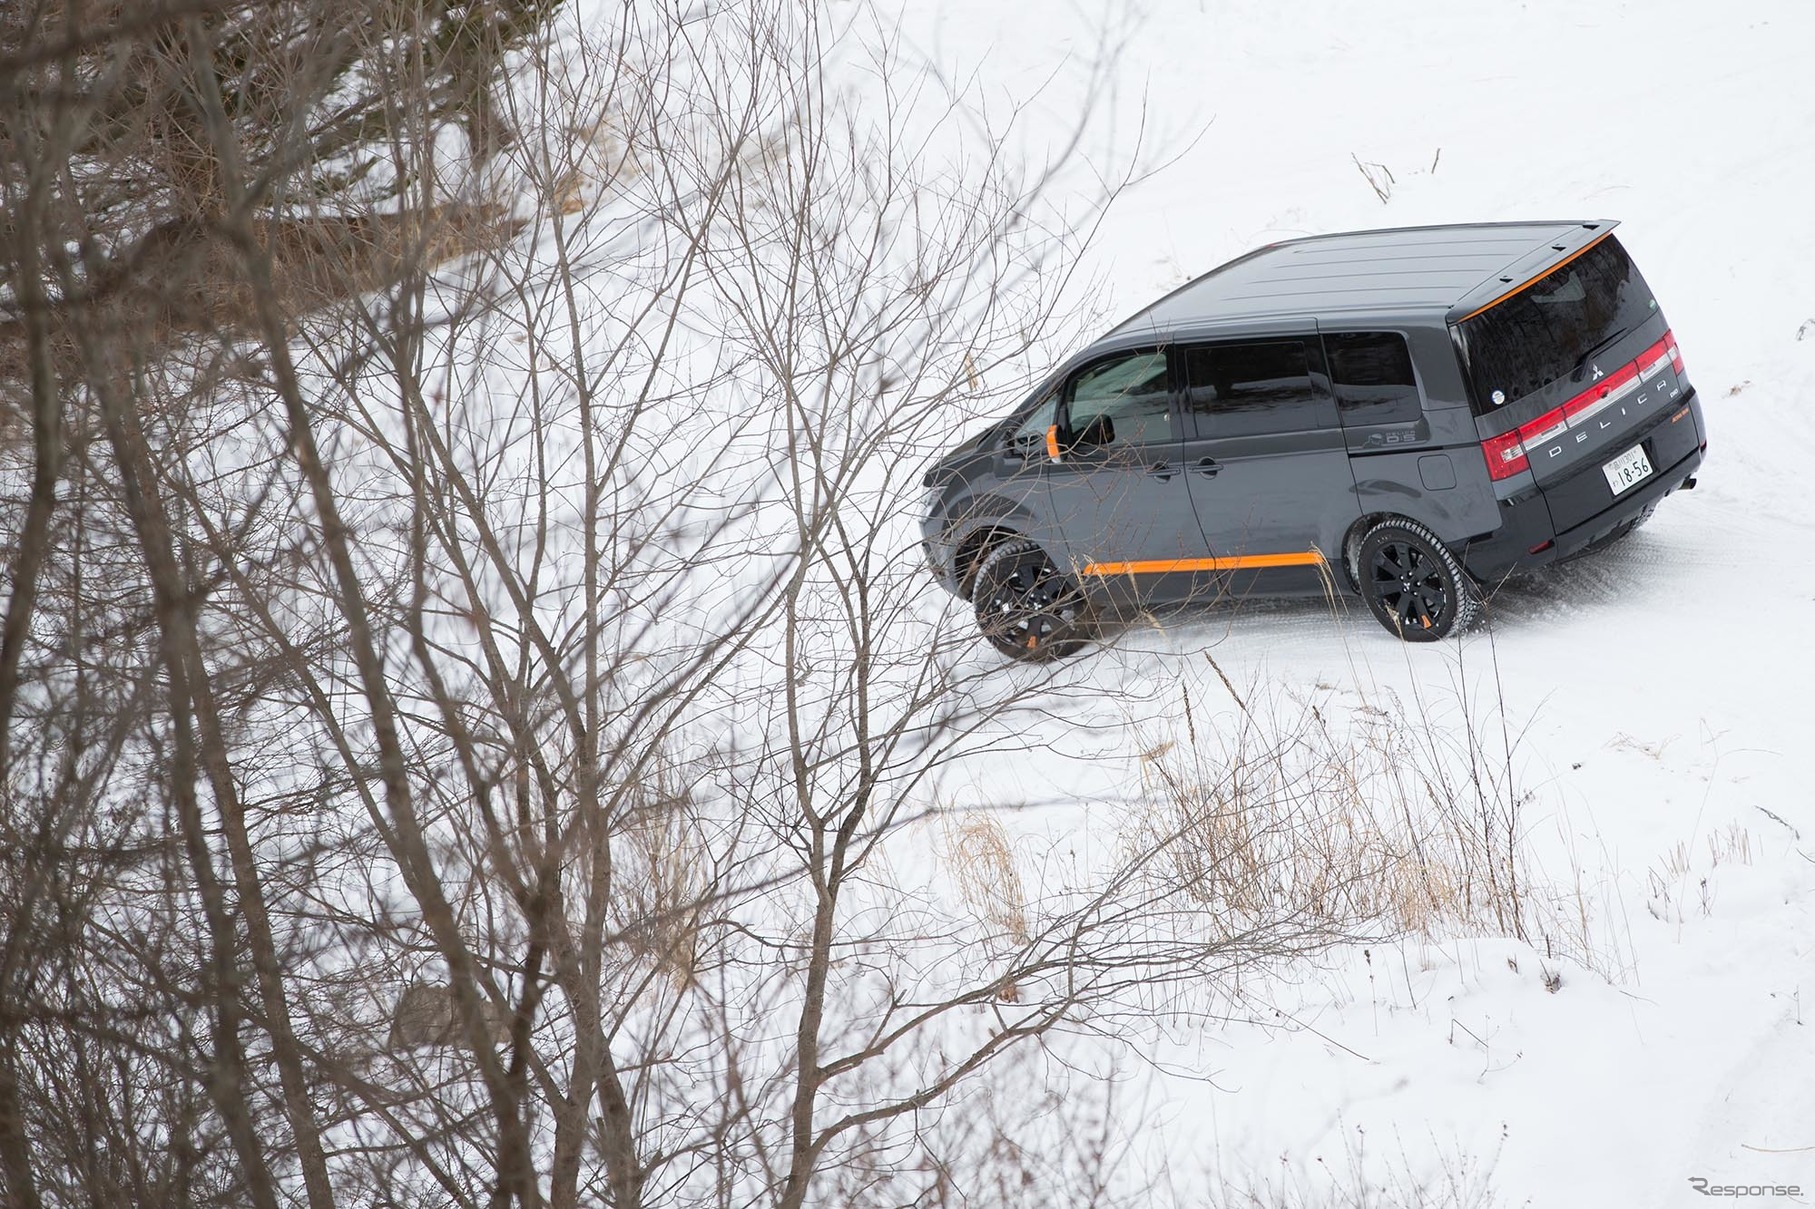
(1413, 583)
(1026, 606)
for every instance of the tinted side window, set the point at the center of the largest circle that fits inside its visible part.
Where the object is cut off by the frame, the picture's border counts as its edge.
(1132, 390)
(1238, 390)
(1371, 373)
(1029, 436)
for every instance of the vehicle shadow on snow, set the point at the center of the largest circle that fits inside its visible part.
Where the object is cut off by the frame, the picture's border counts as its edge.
(1194, 625)
(1640, 567)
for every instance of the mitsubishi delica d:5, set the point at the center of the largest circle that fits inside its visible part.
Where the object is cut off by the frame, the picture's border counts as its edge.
(1408, 415)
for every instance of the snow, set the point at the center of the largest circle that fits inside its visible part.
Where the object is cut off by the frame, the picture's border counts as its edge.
(1659, 691)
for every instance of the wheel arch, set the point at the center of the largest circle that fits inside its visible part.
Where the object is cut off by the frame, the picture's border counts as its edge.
(1351, 545)
(1351, 542)
(1397, 602)
(977, 542)
(975, 525)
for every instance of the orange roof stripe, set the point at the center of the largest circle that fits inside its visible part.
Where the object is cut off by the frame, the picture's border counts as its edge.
(1527, 282)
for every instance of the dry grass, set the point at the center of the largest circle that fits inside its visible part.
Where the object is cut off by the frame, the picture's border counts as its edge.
(1349, 829)
(1731, 846)
(983, 864)
(1347, 816)
(662, 874)
(426, 1015)
(1676, 889)
(1358, 1178)
(185, 277)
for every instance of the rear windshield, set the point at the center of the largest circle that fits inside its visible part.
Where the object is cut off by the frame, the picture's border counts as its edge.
(1546, 330)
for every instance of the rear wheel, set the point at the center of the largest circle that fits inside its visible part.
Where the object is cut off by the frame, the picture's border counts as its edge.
(1026, 606)
(1414, 585)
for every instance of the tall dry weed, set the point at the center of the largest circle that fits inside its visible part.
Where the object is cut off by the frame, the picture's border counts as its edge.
(1355, 823)
(663, 874)
(983, 865)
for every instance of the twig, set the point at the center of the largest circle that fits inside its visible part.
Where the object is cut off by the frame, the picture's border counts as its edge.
(1383, 192)
(1773, 815)
(1211, 659)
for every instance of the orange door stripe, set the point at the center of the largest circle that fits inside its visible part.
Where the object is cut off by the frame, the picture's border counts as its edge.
(1239, 562)
(1583, 250)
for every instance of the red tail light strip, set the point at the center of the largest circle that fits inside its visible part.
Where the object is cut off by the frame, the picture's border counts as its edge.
(1547, 427)
(1612, 390)
(1508, 453)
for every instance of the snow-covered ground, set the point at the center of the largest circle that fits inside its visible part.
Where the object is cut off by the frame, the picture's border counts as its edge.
(1660, 692)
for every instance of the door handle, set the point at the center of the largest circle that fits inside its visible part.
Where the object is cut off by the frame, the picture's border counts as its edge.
(1162, 470)
(1208, 467)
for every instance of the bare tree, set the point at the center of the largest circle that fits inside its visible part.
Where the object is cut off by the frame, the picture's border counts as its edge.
(474, 726)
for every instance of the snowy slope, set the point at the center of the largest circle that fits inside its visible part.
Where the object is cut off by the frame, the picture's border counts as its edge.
(1660, 691)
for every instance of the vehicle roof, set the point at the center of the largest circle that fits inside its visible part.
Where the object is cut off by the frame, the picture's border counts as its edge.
(1418, 273)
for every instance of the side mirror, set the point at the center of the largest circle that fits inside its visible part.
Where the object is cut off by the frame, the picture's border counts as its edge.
(1099, 432)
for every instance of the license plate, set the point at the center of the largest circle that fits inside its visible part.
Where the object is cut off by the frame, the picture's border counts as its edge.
(1628, 470)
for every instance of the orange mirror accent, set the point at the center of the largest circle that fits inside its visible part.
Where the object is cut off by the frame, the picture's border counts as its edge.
(1052, 442)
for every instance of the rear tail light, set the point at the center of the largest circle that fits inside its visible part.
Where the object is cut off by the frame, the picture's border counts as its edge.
(1509, 453)
(1505, 455)
(1547, 427)
(1653, 358)
(1605, 393)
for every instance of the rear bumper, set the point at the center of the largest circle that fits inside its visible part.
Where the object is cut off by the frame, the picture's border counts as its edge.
(1528, 537)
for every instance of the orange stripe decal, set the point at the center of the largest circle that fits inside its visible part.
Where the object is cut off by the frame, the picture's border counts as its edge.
(1239, 562)
(1522, 286)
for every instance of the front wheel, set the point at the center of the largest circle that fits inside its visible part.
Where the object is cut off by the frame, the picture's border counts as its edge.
(1414, 585)
(1026, 606)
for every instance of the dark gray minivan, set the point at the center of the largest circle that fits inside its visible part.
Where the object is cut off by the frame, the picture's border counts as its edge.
(1409, 415)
